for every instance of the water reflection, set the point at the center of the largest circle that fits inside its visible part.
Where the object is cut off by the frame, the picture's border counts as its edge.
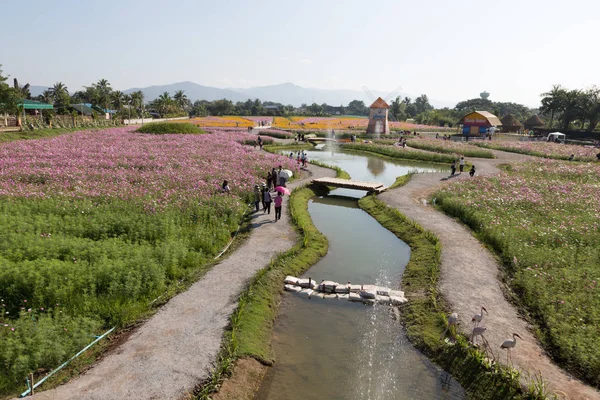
(375, 165)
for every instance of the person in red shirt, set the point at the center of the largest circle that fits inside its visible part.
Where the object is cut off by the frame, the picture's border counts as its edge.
(278, 203)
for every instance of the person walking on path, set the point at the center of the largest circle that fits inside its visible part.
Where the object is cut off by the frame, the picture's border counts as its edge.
(260, 142)
(267, 201)
(262, 195)
(278, 203)
(281, 180)
(257, 197)
(472, 171)
(274, 179)
(461, 165)
(453, 168)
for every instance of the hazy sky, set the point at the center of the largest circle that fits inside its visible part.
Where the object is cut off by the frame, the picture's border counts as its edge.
(449, 50)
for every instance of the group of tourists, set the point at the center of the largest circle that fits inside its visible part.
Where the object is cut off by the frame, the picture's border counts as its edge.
(401, 142)
(301, 158)
(299, 137)
(461, 166)
(262, 195)
(276, 179)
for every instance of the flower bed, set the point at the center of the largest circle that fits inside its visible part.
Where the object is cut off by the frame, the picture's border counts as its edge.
(227, 121)
(400, 152)
(158, 170)
(544, 149)
(277, 133)
(342, 123)
(257, 120)
(542, 218)
(448, 146)
(96, 225)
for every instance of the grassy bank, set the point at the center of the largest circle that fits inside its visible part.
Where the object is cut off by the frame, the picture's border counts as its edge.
(449, 147)
(541, 218)
(425, 318)
(39, 133)
(252, 322)
(162, 128)
(400, 153)
(555, 151)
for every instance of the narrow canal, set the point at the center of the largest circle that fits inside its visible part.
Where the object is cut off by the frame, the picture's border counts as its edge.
(331, 349)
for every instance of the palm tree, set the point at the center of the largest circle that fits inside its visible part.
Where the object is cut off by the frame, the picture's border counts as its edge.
(46, 96)
(572, 107)
(103, 93)
(552, 102)
(118, 99)
(592, 106)
(22, 90)
(58, 90)
(137, 100)
(163, 102)
(181, 99)
(60, 96)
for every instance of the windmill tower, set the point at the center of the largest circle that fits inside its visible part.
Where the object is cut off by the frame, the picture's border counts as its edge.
(378, 118)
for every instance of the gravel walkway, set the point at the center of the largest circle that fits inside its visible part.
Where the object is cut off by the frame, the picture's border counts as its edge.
(173, 351)
(471, 278)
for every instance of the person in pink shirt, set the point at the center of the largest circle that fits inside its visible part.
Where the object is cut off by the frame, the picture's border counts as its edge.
(278, 203)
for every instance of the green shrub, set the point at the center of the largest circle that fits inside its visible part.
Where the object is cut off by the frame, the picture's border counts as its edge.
(101, 261)
(400, 153)
(161, 128)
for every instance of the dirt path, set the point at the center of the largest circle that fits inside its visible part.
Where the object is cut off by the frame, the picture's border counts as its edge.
(471, 277)
(173, 351)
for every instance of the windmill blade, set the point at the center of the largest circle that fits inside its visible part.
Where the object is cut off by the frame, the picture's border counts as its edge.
(393, 94)
(389, 97)
(368, 92)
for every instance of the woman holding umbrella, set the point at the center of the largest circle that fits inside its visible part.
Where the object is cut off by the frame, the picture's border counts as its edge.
(279, 200)
(278, 203)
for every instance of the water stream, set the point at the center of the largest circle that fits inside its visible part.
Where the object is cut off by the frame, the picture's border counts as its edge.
(331, 349)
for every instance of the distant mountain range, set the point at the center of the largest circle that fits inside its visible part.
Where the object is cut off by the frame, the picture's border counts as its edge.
(285, 93)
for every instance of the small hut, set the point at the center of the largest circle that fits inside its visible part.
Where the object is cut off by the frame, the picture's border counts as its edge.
(378, 118)
(533, 122)
(478, 122)
(510, 123)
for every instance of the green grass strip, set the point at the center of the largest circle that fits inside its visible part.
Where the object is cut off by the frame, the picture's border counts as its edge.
(392, 152)
(465, 151)
(425, 318)
(6, 137)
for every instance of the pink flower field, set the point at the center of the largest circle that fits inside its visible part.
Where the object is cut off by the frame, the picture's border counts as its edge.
(117, 163)
(545, 149)
(542, 218)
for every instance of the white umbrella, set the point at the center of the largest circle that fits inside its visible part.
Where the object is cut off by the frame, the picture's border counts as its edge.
(287, 173)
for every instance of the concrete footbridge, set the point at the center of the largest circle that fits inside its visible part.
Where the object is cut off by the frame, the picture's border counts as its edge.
(372, 187)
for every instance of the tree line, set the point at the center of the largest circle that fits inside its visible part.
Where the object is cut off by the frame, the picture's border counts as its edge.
(561, 107)
(579, 108)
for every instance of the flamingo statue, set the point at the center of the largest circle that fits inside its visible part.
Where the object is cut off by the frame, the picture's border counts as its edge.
(478, 317)
(509, 344)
